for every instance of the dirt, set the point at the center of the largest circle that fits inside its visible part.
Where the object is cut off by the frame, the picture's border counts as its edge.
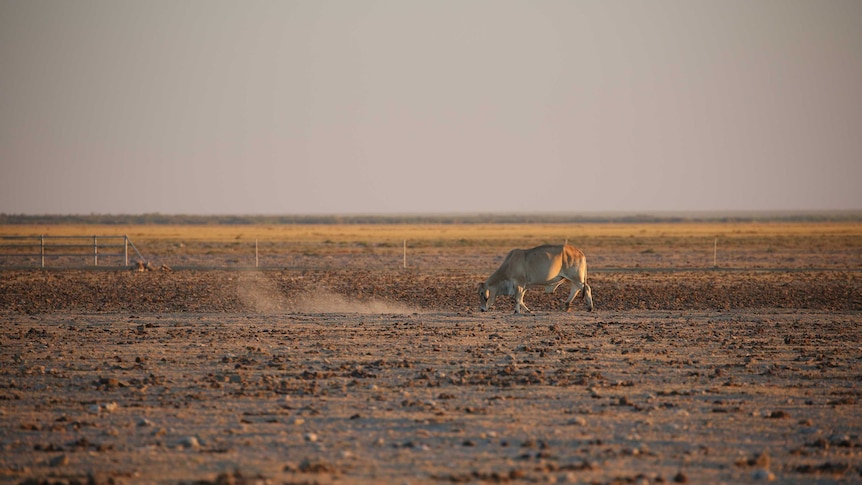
(393, 376)
(350, 290)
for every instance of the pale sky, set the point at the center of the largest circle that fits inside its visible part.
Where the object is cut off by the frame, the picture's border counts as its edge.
(445, 106)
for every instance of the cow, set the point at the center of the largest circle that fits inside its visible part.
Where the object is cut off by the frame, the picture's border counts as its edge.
(548, 266)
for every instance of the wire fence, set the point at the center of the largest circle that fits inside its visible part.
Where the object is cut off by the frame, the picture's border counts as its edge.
(44, 251)
(118, 252)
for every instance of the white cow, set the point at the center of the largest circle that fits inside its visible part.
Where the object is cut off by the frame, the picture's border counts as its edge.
(547, 266)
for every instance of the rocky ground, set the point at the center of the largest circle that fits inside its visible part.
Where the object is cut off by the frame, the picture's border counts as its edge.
(202, 291)
(393, 376)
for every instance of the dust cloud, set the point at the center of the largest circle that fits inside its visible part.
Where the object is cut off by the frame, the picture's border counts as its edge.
(325, 301)
(259, 294)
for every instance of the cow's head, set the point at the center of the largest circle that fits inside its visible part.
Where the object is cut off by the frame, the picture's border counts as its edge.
(487, 295)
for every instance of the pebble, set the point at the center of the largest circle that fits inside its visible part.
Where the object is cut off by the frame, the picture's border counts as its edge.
(763, 474)
(189, 442)
(578, 421)
(762, 460)
(61, 460)
(841, 440)
(98, 408)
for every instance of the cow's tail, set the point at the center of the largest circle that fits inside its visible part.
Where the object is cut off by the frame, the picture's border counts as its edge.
(588, 292)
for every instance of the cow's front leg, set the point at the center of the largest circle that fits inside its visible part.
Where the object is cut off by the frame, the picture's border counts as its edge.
(519, 300)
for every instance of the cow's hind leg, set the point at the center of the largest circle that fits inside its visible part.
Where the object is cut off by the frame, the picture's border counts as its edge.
(553, 286)
(519, 300)
(577, 287)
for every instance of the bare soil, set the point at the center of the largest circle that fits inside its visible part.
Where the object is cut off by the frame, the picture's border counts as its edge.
(393, 376)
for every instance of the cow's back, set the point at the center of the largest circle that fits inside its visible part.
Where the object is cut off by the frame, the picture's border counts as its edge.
(543, 264)
(572, 256)
(511, 267)
(539, 265)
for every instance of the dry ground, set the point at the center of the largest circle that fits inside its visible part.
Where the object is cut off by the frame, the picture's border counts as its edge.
(351, 371)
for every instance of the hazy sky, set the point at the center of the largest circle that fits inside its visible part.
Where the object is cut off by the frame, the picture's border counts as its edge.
(305, 107)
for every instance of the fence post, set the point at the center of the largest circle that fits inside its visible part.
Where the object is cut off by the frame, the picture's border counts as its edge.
(715, 253)
(42, 249)
(405, 254)
(256, 257)
(95, 252)
(126, 249)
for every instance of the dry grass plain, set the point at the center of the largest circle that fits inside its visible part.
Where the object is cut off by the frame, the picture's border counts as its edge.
(335, 364)
(748, 245)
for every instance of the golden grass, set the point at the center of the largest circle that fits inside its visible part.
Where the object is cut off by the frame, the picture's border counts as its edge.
(444, 234)
(682, 244)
